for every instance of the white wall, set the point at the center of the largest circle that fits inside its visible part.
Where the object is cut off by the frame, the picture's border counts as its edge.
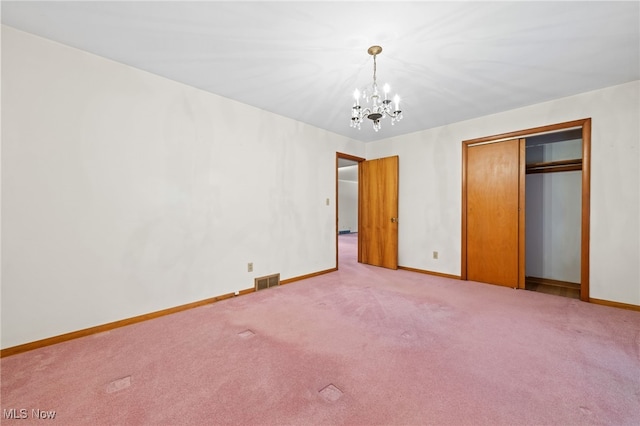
(125, 193)
(430, 185)
(553, 225)
(348, 198)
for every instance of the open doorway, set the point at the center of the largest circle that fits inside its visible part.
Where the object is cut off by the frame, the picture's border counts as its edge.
(346, 205)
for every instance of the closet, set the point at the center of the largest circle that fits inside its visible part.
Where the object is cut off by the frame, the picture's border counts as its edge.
(525, 209)
(553, 186)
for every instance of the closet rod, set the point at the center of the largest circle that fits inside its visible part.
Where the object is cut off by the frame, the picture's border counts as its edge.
(555, 166)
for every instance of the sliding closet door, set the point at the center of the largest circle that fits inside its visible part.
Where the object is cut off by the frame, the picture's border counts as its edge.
(492, 212)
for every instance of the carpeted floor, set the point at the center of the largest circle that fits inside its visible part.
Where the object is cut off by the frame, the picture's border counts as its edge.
(361, 346)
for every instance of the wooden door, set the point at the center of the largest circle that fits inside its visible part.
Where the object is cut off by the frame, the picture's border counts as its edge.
(493, 203)
(378, 212)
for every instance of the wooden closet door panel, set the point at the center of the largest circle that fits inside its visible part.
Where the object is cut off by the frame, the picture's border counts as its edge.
(492, 213)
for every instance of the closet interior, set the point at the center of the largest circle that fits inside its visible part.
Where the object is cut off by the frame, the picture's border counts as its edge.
(553, 212)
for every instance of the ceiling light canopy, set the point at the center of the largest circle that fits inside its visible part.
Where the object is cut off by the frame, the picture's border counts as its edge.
(376, 108)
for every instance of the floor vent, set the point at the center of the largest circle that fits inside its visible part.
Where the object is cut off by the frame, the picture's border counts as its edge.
(268, 281)
(330, 393)
(118, 385)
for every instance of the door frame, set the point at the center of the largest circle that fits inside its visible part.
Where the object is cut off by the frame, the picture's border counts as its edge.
(341, 155)
(583, 124)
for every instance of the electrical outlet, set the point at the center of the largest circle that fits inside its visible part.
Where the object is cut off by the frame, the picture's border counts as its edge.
(237, 293)
(250, 267)
(435, 255)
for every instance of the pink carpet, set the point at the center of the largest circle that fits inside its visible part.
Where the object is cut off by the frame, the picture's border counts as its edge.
(361, 346)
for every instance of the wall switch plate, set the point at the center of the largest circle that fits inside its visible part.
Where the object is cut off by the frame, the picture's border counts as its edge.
(435, 255)
(328, 201)
(250, 267)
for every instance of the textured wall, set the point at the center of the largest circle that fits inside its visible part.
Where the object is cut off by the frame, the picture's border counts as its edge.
(125, 193)
(431, 183)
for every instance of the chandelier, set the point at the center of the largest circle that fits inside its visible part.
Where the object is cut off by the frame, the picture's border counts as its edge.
(376, 108)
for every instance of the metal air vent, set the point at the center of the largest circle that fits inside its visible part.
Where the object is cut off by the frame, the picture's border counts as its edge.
(268, 281)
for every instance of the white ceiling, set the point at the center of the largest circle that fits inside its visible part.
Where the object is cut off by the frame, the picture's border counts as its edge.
(449, 61)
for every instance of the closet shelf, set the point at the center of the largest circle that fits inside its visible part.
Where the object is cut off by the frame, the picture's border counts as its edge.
(555, 166)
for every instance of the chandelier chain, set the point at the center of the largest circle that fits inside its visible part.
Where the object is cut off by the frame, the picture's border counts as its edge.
(374, 71)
